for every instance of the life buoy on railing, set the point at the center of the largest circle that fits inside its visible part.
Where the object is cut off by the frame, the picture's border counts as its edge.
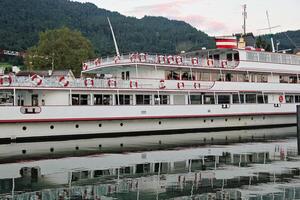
(5, 80)
(142, 57)
(63, 81)
(281, 98)
(195, 61)
(36, 79)
(161, 59)
(85, 66)
(224, 63)
(97, 61)
(178, 60)
(162, 84)
(197, 85)
(170, 60)
(112, 83)
(210, 62)
(117, 59)
(133, 84)
(180, 85)
(89, 82)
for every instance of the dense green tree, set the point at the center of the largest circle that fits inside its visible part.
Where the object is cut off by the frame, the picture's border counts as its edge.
(60, 49)
(261, 43)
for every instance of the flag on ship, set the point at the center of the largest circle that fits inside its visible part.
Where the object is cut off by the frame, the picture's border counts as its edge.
(226, 42)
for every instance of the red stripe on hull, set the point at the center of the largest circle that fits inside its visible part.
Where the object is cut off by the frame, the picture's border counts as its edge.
(226, 46)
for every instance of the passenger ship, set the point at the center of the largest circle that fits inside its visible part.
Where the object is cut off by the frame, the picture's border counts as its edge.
(206, 95)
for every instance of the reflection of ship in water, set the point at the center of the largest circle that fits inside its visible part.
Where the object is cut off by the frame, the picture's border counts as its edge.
(201, 173)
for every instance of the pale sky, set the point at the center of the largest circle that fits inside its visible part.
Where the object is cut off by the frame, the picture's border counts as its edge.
(215, 17)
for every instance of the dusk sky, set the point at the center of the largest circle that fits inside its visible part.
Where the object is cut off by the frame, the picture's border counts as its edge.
(215, 17)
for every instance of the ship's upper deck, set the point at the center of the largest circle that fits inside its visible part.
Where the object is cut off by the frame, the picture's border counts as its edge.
(248, 59)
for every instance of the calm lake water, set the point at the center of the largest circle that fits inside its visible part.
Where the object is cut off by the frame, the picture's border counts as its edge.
(267, 170)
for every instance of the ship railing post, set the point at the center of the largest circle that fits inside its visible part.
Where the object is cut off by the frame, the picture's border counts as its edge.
(298, 129)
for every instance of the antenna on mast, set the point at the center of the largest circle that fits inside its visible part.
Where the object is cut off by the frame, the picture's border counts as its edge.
(270, 30)
(114, 38)
(245, 17)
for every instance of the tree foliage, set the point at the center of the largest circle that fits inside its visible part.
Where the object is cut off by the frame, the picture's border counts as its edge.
(22, 20)
(60, 49)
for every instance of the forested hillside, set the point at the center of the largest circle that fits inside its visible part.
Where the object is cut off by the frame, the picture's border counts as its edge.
(22, 20)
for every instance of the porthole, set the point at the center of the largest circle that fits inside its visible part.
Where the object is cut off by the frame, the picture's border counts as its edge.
(159, 122)
(204, 120)
(77, 125)
(121, 145)
(251, 118)
(24, 151)
(51, 149)
(226, 119)
(77, 147)
(100, 125)
(264, 117)
(239, 119)
(212, 120)
(121, 124)
(51, 127)
(24, 128)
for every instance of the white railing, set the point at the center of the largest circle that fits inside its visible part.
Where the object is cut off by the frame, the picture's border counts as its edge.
(109, 83)
(158, 59)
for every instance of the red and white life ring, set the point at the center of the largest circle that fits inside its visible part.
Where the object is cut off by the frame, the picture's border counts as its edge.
(63, 81)
(180, 85)
(195, 61)
(162, 84)
(97, 61)
(5, 80)
(36, 79)
(210, 62)
(112, 83)
(133, 84)
(281, 98)
(89, 82)
(178, 60)
(170, 60)
(224, 63)
(142, 57)
(117, 59)
(161, 59)
(85, 66)
(197, 85)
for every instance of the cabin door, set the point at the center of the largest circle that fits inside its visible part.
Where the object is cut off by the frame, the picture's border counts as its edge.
(35, 100)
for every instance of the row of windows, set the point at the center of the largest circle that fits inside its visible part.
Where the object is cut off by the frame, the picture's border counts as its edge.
(147, 99)
(273, 58)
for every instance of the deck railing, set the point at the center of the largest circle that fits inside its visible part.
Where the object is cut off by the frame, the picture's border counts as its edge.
(158, 59)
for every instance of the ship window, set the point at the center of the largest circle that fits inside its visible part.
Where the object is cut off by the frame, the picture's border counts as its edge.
(209, 99)
(172, 75)
(204, 76)
(236, 99)
(102, 99)
(124, 99)
(236, 57)
(262, 78)
(229, 57)
(250, 98)
(187, 76)
(127, 75)
(297, 99)
(162, 99)
(179, 99)
(223, 99)
(195, 99)
(84, 99)
(79, 99)
(293, 79)
(283, 79)
(123, 75)
(290, 98)
(143, 99)
(7, 98)
(262, 98)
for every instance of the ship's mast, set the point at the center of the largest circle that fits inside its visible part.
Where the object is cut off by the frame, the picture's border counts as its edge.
(245, 18)
(114, 38)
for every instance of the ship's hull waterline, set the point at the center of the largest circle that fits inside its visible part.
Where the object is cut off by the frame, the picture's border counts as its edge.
(138, 134)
